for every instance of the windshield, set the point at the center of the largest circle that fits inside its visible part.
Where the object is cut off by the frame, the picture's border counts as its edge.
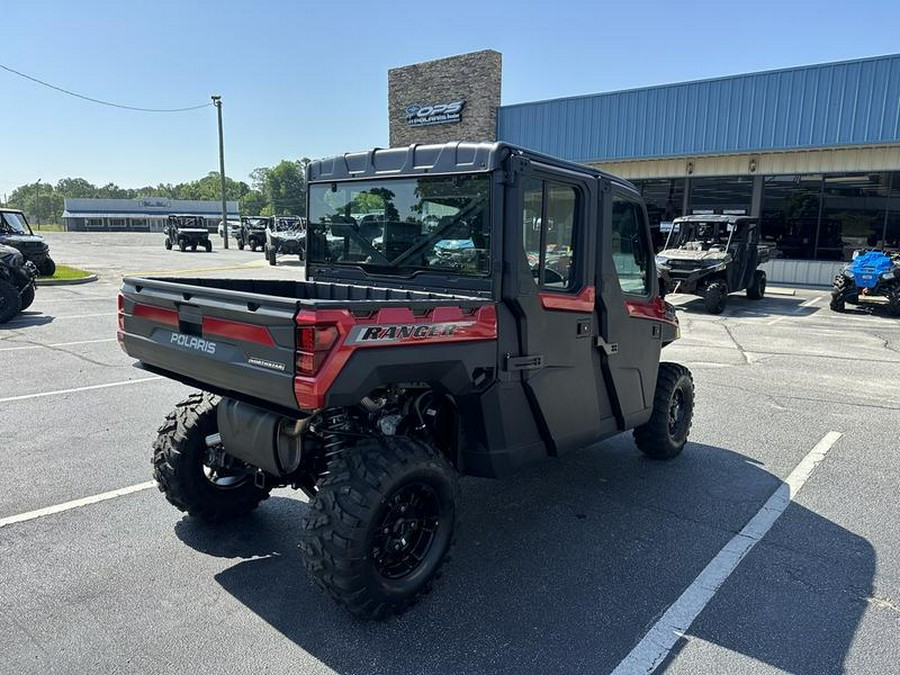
(693, 235)
(14, 223)
(403, 225)
(257, 223)
(287, 225)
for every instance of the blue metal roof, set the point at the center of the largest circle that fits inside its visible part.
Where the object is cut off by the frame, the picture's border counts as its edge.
(833, 104)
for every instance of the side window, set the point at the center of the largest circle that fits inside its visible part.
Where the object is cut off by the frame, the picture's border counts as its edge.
(629, 246)
(548, 232)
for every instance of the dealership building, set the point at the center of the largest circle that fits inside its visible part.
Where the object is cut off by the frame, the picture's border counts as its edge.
(139, 215)
(813, 151)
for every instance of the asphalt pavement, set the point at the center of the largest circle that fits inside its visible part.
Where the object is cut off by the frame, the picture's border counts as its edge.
(565, 567)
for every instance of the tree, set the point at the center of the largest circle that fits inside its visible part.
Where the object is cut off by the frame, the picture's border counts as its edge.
(253, 203)
(285, 187)
(75, 188)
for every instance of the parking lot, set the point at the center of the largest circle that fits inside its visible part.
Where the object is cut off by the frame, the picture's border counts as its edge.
(565, 567)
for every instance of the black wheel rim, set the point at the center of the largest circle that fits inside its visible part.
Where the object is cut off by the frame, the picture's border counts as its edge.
(406, 533)
(677, 414)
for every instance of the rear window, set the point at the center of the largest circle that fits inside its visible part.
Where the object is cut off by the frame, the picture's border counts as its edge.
(403, 225)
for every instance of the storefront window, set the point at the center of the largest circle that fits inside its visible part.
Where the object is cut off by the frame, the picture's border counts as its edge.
(892, 222)
(725, 194)
(790, 214)
(664, 198)
(854, 214)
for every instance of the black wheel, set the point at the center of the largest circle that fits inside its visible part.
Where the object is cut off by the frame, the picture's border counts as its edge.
(893, 298)
(168, 244)
(182, 245)
(271, 255)
(47, 268)
(757, 288)
(208, 246)
(240, 244)
(842, 291)
(10, 303)
(664, 435)
(381, 525)
(715, 296)
(194, 246)
(26, 297)
(195, 478)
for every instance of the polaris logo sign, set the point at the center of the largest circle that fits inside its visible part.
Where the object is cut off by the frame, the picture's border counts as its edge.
(191, 342)
(440, 113)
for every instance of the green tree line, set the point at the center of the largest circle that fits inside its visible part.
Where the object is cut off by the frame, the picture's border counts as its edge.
(276, 190)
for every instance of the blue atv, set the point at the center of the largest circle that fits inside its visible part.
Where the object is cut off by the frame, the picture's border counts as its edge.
(873, 278)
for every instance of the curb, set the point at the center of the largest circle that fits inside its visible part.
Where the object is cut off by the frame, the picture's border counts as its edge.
(780, 291)
(66, 282)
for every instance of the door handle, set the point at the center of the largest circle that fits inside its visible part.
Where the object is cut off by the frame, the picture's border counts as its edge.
(583, 328)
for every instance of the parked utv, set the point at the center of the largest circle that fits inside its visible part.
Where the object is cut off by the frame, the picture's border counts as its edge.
(712, 256)
(16, 232)
(17, 285)
(187, 231)
(287, 236)
(872, 278)
(253, 232)
(393, 370)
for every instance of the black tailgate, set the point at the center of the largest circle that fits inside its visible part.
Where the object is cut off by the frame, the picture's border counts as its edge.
(231, 342)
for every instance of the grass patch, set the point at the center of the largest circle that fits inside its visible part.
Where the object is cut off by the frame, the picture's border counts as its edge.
(48, 227)
(66, 272)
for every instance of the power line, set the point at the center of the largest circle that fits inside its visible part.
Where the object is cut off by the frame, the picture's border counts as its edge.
(96, 100)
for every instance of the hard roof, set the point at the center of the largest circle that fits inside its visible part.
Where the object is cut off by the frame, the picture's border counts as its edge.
(441, 158)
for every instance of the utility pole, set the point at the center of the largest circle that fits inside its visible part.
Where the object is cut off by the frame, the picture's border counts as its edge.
(37, 196)
(217, 101)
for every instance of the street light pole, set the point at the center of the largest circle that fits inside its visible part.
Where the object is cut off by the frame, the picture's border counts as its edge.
(217, 101)
(37, 196)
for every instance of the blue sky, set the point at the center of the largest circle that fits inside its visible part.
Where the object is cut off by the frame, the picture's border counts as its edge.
(310, 78)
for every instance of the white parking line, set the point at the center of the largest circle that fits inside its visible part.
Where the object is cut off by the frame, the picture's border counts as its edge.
(665, 633)
(58, 344)
(812, 301)
(76, 503)
(77, 389)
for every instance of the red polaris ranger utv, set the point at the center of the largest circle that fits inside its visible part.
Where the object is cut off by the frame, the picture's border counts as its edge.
(499, 307)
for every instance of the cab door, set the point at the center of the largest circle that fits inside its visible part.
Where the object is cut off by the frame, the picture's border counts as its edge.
(556, 309)
(630, 308)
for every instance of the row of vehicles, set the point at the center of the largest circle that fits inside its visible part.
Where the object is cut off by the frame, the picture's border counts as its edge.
(274, 235)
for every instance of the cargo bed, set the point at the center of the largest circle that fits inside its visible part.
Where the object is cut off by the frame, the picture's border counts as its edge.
(242, 338)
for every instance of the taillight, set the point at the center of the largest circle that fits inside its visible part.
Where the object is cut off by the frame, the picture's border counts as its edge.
(121, 304)
(313, 344)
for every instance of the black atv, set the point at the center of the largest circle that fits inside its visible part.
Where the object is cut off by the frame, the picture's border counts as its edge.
(17, 285)
(186, 231)
(712, 256)
(253, 232)
(287, 236)
(16, 232)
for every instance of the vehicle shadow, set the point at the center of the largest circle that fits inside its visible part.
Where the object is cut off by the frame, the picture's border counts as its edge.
(27, 320)
(741, 306)
(564, 567)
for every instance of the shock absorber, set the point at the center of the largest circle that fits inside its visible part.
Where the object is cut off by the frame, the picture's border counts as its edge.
(334, 432)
